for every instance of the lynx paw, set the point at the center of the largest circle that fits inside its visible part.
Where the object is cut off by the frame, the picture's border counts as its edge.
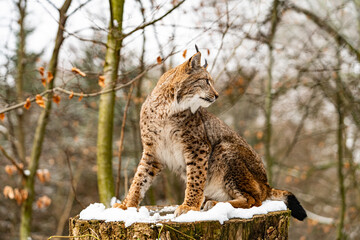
(210, 204)
(120, 205)
(184, 209)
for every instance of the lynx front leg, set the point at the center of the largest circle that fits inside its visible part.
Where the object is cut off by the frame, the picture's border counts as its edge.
(196, 159)
(148, 168)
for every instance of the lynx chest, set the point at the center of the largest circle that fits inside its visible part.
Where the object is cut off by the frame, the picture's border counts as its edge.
(170, 150)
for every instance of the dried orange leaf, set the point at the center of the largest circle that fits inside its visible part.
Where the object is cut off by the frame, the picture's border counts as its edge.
(50, 77)
(10, 169)
(8, 192)
(43, 202)
(259, 135)
(159, 60)
(78, 71)
(184, 53)
(56, 99)
(46, 175)
(208, 51)
(27, 104)
(2, 116)
(43, 81)
(41, 70)
(18, 196)
(40, 101)
(101, 81)
(40, 175)
(81, 96)
(24, 194)
(71, 95)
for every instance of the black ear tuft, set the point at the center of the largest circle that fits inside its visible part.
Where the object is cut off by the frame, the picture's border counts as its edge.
(297, 211)
(197, 49)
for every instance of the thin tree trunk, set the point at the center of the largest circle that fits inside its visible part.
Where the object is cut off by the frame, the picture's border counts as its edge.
(269, 95)
(26, 209)
(106, 105)
(121, 142)
(21, 4)
(340, 145)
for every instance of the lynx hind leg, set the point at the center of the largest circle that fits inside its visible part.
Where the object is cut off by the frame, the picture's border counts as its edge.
(241, 200)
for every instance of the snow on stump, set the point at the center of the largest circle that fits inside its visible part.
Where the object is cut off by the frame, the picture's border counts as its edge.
(161, 224)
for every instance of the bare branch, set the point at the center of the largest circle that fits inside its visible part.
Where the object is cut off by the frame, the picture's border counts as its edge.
(79, 7)
(13, 161)
(154, 21)
(324, 25)
(77, 94)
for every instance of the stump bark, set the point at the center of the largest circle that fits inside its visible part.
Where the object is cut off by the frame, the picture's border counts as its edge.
(274, 225)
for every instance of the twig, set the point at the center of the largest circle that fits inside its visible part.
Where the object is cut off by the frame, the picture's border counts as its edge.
(58, 89)
(179, 231)
(81, 236)
(122, 141)
(79, 7)
(152, 22)
(324, 25)
(72, 179)
(13, 162)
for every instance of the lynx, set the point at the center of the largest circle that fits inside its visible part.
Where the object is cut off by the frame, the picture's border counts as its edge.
(215, 162)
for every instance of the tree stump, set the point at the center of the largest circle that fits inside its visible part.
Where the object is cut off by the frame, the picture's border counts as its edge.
(274, 225)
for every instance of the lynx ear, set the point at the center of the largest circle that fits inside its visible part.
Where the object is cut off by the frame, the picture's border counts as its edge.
(195, 61)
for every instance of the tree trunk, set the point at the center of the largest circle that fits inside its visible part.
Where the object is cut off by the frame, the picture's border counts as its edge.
(20, 135)
(340, 145)
(274, 225)
(26, 209)
(106, 105)
(269, 95)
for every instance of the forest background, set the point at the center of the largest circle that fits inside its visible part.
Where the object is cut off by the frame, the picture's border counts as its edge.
(74, 73)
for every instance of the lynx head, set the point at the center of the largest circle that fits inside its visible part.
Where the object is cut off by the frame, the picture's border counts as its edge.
(193, 85)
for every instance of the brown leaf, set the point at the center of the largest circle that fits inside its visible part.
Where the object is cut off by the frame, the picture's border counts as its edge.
(46, 175)
(41, 70)
(27, 104)
(184, 53)
(43, 202)
(101, 81)
(81, 96)
(40, 175)
(8, 192)
(71, 95)
(43, 81)
(259, 135)
(24, 194)
(10, 169)
(208, 51)
(78, 71)
(159, 60)
(50, 77)
(56, 99)
(18, 196)
(40, 101)
(2, 116)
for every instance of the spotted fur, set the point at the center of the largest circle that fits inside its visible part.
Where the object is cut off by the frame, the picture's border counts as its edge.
(214, 161)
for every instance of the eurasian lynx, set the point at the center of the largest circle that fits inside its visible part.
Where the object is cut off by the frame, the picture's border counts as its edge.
(214, 161)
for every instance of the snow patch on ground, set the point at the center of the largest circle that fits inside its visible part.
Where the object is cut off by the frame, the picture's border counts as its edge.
(220, 212)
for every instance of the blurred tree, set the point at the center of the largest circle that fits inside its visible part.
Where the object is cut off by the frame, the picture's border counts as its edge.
(26, 209)
(107, 101)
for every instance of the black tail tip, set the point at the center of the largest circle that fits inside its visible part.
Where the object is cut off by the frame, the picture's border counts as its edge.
(297, 211)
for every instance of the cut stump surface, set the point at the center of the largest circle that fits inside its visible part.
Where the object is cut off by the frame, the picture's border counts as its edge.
(274, 225)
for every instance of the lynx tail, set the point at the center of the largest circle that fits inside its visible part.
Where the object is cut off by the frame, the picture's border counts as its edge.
(297, 211)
